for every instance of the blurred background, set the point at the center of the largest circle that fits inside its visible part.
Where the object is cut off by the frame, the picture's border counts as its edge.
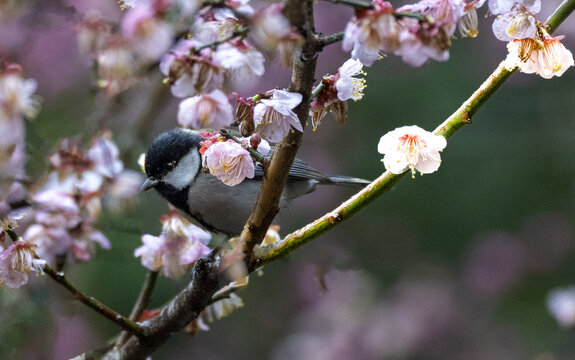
(454, 265)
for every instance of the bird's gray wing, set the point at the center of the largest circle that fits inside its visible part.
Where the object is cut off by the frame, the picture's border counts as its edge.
(300, 171)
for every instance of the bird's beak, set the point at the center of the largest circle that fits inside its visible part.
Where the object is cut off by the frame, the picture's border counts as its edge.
(149, 183)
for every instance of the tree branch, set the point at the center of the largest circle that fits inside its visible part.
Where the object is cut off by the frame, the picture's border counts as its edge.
(300, 14)
(184, 308)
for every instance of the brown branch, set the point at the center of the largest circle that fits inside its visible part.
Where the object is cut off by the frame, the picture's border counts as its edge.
(184, 308)
(300, 14)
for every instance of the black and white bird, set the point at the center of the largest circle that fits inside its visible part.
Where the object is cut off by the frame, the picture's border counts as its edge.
(174, 168)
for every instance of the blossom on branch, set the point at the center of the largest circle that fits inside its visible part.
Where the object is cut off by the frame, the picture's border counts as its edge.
(241, 60)
(337, 89)
(16, 263)
(518, 23)
(546, 57)
(411, 147)
(229, 162)
(271, 31)
(176, 249)
(274, 118)
(149, 34)
(190, 72)
(211, 110)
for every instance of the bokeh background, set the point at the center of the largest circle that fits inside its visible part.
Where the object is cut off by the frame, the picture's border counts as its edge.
(454, 265)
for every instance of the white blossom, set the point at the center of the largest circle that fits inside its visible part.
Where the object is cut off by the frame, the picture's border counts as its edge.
(411, 147)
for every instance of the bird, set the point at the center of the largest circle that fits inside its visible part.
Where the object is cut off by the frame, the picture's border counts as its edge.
(173, 166)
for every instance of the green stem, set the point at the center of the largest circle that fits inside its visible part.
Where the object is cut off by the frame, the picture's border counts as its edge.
(386, 181)
(560, 14)
(253, 152)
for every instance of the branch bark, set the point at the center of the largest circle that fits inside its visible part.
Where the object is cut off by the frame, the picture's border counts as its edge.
(300, 14)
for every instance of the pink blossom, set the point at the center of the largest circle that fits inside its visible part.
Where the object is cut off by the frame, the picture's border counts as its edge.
(16, 94)
(104, 155)
(53, 243)
(370, 32)
(116, 66)
(411, 147)
(519, 23)
(274, 118)
(149, 34)
(229, 162)
(211, 110)
(241, 59)
(178, 247)
(16, 263)
(189, 72)
(546, 57)
(271, 31)
(497, 7)
(347, 85)
(93, 33)
(269, 25)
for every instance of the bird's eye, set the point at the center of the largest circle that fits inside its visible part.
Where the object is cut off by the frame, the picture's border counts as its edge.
(171, 165)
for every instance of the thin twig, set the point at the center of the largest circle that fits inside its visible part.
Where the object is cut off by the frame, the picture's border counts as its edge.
(142, 302)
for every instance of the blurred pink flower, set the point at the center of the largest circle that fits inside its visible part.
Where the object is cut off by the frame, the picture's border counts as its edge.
(16, 263)
(211, 110)
(561, 304)
(176, 249)
(242, 60)
(149, 34)
(189, 72)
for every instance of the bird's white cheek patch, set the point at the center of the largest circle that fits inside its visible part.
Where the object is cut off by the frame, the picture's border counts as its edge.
(185, 172)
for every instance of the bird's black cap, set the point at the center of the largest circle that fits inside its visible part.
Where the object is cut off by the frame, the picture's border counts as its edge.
(167, 149)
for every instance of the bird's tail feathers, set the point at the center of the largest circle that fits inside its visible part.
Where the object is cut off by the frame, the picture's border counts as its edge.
(348, 181)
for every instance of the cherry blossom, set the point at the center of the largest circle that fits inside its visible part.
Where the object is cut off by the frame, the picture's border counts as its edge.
(229, 162)
(16, 94)
(149, 34)
(241, 59)
(211, 110)
(189, 72)
(546, 57)
(411, 147)
(274, 118)
(176, 249)
(518, 23)
(16, 263)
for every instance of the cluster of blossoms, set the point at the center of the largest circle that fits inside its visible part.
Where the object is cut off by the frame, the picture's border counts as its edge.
(70, 201)
(17, 101)
(176, 249)
(531, 48)
(415, 32)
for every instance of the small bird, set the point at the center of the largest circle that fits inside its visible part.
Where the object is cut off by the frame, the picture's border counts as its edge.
(174, 168)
